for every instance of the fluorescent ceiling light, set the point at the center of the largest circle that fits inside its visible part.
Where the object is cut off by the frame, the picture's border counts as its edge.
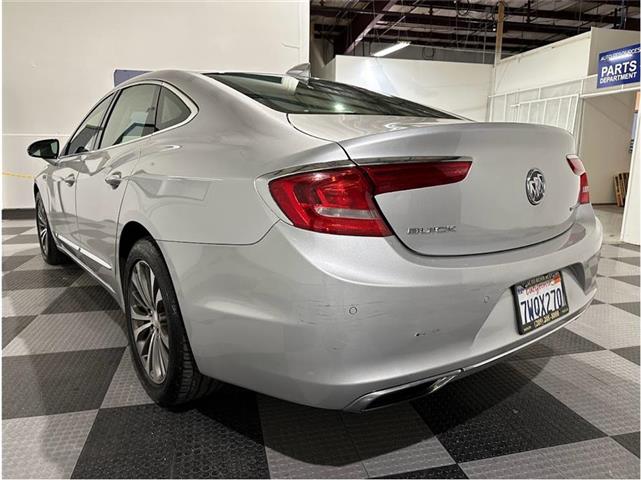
(392, 49)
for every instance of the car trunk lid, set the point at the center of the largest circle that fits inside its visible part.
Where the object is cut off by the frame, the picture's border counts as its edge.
(489, 210)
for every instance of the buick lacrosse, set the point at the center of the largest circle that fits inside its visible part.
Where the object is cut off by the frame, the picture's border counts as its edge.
(315, 241)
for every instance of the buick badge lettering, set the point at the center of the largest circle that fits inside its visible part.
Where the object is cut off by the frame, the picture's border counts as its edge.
(431, 229)
(535, 186)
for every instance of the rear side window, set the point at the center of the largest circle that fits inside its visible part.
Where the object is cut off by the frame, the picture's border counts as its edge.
(88, 131)
(171, 110)
(289, 95)
(133, 116)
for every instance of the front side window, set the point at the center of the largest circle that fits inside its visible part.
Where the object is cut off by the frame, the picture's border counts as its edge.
(133, 115)
(86, 134)
(171, 110)
(289, 95)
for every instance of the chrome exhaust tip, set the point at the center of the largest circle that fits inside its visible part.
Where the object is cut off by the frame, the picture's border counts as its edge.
(401, 393)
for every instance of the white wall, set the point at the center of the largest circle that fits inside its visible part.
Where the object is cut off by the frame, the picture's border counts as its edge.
(456, 87)
(59, 58)
(555, 63)
(605, 140)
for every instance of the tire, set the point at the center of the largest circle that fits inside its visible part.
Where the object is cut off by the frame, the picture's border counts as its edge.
(48, 247)
(160, 350)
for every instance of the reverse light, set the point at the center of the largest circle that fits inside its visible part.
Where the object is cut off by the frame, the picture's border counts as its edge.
(584, 188)
(341, 201)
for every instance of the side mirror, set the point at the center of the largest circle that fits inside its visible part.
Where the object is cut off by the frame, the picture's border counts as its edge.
(45, 149)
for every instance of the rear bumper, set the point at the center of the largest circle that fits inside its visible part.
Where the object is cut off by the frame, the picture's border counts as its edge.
(325, 320)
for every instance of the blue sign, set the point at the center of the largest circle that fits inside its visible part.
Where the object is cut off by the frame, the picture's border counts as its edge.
(618, 67)
(124, 75)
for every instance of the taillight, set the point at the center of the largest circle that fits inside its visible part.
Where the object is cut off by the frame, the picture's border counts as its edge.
(577, 167)
(392, 177)
(341, 201)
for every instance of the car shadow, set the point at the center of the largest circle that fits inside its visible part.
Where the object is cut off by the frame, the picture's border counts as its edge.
(333, 438)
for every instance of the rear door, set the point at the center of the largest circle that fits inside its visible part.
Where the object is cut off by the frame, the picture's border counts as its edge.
(102, 180)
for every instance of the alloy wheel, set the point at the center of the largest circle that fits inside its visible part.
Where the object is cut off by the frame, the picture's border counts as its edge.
(43, 227)
(148, 318)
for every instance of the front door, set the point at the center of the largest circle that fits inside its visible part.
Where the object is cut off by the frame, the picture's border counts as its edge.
(64, 177)
(102, 181)
(62, 210)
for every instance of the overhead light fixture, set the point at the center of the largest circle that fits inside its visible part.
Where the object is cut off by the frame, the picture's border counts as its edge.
(394, 48)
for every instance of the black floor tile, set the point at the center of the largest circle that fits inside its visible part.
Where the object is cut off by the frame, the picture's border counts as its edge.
(26, 279)
(630, 307)
(16, 230)
(562, 342)
(631, 279)
(83, 299)
(14, 261)
(629, 353)
(219, 437)
(628, 246)
(629, 441)
(497, 412)
(448, 471)
(53, 383)
(628, 260)
(12, 326)
(20, 239)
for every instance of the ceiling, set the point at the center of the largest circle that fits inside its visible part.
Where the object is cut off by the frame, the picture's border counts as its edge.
(463, 24)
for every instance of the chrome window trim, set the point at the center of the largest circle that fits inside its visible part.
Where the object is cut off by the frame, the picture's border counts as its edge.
(191, 105)
(83, 251)
(73, 134)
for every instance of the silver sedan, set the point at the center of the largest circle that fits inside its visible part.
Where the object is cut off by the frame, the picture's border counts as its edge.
(314, 241)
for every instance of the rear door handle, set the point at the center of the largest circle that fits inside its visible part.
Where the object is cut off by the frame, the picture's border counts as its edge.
(69, 179)
(113, 179)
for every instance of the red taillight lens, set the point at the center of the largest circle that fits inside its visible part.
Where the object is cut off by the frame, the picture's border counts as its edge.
(331, 201)
(577, 167)
(342, 202)
(394, 177)
(584, 193)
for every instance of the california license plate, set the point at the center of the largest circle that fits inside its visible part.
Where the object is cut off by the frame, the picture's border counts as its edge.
(540, 301)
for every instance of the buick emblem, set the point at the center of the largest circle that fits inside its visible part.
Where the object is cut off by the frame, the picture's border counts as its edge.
(535, 186)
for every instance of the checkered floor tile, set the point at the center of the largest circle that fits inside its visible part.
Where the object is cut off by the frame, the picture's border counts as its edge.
(567, 407)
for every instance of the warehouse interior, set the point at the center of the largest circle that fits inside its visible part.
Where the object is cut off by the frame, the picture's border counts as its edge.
(564, 407)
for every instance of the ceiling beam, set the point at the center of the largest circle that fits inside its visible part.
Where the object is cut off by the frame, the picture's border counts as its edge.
(483, 23)
(438, 43)
(361, 25)
(476, 44)
(533, 13)
(327, 31)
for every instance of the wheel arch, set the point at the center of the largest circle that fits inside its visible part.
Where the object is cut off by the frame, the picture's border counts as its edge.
(131, 232)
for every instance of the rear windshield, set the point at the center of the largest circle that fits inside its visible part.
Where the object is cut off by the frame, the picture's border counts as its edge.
(289, 95)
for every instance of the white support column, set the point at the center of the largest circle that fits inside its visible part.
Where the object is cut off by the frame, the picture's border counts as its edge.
(632, 213)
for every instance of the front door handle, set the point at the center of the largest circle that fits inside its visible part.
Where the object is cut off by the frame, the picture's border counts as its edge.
(69, 179)
(113, 179)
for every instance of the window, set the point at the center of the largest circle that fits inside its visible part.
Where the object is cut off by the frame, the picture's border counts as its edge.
(171, 110)
(89, 129)
(133, 115)
(289, 95)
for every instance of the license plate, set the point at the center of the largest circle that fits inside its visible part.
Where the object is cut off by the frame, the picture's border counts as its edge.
(540, 301)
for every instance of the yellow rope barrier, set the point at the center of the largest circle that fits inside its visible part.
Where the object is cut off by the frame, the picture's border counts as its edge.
(18, 175)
